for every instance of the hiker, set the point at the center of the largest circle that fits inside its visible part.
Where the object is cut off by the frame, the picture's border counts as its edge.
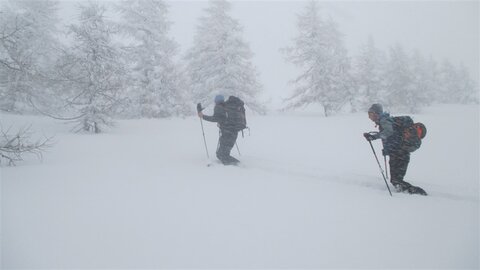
(392, 141)
(228, 135)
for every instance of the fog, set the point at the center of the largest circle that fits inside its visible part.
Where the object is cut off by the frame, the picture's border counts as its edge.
(149, 193)
(440, 29)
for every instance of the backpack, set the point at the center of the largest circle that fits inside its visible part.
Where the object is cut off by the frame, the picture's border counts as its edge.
(410, 132)
(235, 109)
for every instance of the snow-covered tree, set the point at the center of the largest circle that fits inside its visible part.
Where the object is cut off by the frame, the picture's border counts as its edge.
(448, 80)
(319, 52)
(92, 73)
(368, 73)
(456, 85)
(156, 87)
(27, 51)
(220, 61)
(467, 87)
(424, 78)
(433, 78)
(399, 81)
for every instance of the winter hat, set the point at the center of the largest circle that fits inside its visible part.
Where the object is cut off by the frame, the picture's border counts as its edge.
(219, 99)
(376, 108)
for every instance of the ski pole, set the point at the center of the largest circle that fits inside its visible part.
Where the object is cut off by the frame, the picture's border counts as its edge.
(204, 140)
(238, 149)
(386, 168)
(199, 109)
(380, 166)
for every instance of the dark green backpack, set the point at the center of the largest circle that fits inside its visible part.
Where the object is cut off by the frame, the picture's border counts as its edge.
(235, 109)
(411, 133)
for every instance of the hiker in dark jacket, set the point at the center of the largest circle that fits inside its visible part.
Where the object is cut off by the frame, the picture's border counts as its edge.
(228, 137)
(392, 146)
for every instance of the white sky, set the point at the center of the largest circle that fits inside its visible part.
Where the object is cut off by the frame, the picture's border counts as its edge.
(442, 29)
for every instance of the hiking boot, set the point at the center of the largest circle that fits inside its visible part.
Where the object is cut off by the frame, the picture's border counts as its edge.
(416, 190)
(401, 186)
(230, 161)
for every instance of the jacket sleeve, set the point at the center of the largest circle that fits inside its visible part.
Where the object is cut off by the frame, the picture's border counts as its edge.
(218, 115)
(387, 128)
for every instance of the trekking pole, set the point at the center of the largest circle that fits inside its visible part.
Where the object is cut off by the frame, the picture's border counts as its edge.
(238, 149)
(386, 169)
(204, 140)
(199, 109)
(380, 166)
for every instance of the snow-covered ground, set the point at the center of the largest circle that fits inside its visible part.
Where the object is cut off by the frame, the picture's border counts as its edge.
(309, 194)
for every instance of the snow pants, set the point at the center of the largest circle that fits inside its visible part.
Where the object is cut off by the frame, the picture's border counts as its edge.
(398, 166)
(225, 144)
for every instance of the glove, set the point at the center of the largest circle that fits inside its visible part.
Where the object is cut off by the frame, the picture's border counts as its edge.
(370, 136)
(199, 108)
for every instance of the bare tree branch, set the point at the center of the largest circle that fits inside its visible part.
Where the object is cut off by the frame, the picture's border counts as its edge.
(14, 146)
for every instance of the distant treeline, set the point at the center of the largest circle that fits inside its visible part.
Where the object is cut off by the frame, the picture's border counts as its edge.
(129, 68)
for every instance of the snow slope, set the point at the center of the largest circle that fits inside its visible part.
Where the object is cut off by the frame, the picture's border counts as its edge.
(309, 194)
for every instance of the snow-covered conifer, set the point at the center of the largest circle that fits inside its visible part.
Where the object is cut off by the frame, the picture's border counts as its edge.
(400, 89)
(424, 79)
(27, 51)
(92, 72)
(448, 79)
(456, 85)
(368, 73)
(467, 91)
(220, 61)
(319, 52)
(156, 88)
